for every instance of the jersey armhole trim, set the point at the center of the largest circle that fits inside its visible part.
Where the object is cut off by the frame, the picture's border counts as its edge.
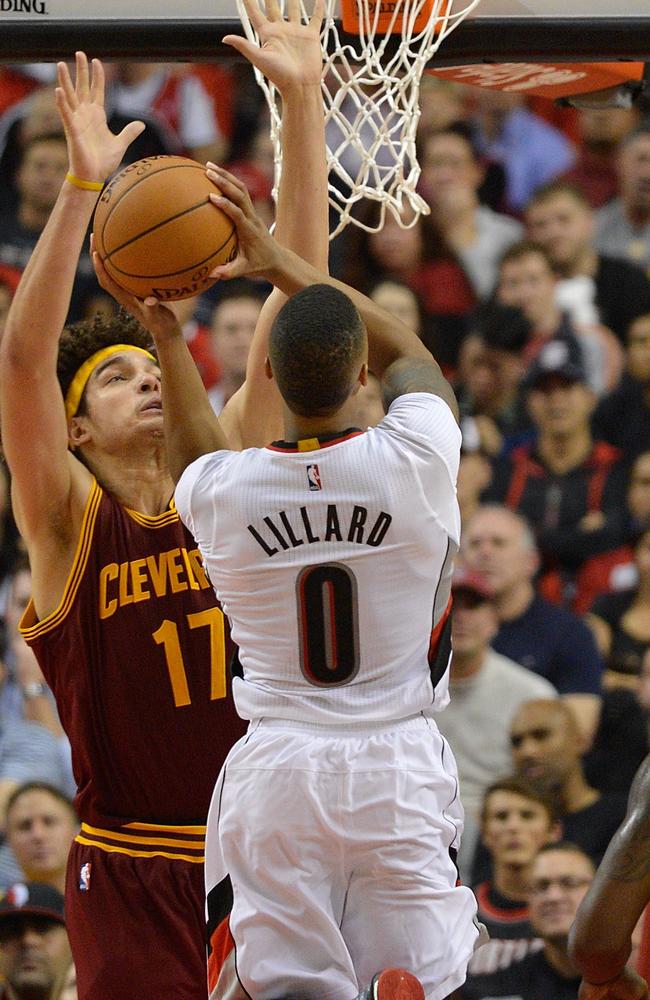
(31, 632)
(154, 520)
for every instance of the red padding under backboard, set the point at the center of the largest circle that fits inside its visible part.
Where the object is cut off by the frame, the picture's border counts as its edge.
(542, 79)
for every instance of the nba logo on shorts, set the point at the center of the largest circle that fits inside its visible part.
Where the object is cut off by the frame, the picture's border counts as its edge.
(84, 876)
(313, 478)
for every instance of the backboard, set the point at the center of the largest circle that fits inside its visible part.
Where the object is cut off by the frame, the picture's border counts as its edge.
(498, 31)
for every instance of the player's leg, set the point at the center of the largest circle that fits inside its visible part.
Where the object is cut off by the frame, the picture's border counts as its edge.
(270, 828)
(150, 911)
(403, 905)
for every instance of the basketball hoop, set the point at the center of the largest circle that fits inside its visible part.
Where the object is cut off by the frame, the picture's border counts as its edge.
(371, 86)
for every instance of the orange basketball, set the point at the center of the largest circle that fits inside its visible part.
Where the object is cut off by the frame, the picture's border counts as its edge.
(158, 233)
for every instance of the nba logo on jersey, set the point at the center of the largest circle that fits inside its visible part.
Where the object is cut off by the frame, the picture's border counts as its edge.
(84, 876)
(313, 478)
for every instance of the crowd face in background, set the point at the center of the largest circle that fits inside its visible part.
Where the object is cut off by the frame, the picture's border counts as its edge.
(399, 300)
(34, 954)
(529, 284)
(638, 496)
(635, 174)
(545, 749)
(40, 829)
(233, 326)
(42, 172)
(396, 249)
(563, 225)
(514, 827)
(638, 350)
(560, 407)
(558, 881)
(495, 544)
(474, 623)
(450, 171)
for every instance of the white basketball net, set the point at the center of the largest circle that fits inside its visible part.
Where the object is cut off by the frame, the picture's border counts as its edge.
(371, 95)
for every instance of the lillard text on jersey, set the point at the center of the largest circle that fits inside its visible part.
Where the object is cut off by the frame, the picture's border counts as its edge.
(287, 530)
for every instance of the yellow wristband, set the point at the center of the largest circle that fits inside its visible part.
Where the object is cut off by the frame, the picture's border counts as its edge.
(84, 185)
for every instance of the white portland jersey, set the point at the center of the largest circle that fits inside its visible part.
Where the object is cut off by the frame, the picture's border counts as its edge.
(333, 565)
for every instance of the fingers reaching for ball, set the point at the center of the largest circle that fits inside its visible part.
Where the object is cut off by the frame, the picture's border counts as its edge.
(257, 250)
(234, 189)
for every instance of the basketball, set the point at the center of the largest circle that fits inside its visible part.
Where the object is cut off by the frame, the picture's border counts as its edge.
(157, 232)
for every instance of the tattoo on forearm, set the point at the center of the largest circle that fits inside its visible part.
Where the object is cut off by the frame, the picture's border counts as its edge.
(413, 375)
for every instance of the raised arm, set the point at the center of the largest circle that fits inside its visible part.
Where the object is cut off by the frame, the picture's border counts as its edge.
(601, 937)
(290, 56)
(34, 427)
(396, 354)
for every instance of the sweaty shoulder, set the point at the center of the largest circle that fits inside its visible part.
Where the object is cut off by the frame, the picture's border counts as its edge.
(426, 425)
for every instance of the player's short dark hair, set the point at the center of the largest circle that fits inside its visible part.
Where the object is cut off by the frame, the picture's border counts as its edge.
(40, 786)
(81, 340)
(519, 786)
(504, 328)
(316, 342)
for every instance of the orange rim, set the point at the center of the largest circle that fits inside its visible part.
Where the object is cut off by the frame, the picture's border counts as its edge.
(350, 15)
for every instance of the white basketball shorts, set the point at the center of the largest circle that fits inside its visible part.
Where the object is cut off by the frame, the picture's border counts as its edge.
(338, 846)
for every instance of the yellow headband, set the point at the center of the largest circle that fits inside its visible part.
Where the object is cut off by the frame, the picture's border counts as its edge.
(78, 384)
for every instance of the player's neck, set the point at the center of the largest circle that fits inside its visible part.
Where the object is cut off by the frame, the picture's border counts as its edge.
(142, 484)
(298, 428)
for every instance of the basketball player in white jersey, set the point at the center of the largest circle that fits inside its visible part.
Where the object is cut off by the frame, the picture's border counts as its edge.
(337, 817)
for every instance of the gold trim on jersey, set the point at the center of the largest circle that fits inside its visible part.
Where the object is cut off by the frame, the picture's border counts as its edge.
(146, 846)
(195, 831)
(153, 520)
(79, 562)
(308, 444)
(138, 854)
(198, 845)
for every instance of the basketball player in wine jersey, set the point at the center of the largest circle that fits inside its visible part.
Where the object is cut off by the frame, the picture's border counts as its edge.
(123, 619)
(337, 816)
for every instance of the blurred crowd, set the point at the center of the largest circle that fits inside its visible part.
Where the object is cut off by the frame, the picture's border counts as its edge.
(530, 282)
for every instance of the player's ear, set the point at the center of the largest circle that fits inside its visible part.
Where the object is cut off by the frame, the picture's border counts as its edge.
(78, 433)
(363, 374)
(268, 371)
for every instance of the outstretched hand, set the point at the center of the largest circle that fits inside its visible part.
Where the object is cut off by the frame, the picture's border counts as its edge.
(257, 252)
(152, 314)
(94, 151)
(289, 53)
(628, 985)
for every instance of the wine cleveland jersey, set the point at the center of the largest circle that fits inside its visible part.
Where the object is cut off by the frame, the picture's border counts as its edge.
(333, 562)
(137, 655)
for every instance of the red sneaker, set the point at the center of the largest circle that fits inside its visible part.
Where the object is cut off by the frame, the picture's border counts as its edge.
(393, 984)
